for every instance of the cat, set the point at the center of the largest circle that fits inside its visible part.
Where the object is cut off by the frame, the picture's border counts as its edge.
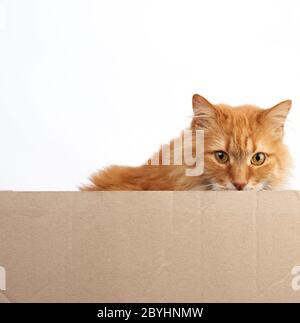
(243, 150)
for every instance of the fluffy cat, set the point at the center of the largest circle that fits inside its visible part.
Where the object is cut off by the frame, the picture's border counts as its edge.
(243, 150)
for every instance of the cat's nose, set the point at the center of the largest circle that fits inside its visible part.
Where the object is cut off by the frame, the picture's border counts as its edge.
(239, 185)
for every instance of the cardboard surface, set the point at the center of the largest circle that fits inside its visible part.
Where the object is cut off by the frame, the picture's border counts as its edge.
(150, 246)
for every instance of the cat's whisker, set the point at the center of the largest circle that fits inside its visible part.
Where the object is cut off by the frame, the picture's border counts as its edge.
(204, 186)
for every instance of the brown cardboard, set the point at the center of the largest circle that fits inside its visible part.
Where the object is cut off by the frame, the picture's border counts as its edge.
(150, 246)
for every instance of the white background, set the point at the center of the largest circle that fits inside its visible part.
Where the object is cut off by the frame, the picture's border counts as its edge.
(85, 84)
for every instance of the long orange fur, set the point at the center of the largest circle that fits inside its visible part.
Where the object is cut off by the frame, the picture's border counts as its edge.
(239, 131)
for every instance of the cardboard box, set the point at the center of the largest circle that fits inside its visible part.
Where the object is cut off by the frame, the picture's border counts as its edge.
(149, 246)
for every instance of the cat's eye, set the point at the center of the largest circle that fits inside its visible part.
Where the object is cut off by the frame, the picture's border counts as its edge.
(258, 159)
(221, 157)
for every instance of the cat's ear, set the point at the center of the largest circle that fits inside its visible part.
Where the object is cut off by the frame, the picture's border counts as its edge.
(204, 111)
(276, 115)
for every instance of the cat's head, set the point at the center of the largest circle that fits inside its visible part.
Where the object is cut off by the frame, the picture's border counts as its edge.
(243, 146)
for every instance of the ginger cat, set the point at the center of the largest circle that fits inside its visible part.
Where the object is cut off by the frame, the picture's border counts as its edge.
(243, 150)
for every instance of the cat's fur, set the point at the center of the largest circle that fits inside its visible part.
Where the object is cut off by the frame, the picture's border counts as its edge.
(240, 131)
